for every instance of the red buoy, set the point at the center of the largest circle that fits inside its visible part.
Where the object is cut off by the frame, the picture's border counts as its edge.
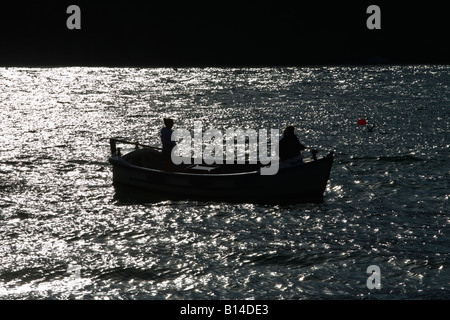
(362, 122)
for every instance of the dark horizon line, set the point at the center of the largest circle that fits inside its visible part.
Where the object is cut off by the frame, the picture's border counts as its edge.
(224, 65)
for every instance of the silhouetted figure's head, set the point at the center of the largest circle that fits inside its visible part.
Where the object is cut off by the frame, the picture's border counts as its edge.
(168, 123)
(289, 131)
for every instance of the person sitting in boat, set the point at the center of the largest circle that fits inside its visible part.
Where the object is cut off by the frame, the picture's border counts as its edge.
(289, 146)
(167, 143)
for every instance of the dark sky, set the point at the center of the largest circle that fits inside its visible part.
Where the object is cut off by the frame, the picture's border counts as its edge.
(222, 33)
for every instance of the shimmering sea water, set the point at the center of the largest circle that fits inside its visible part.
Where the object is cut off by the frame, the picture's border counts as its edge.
(64, 233)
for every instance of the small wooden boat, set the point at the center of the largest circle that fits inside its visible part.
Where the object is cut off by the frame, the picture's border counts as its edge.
(296, 180)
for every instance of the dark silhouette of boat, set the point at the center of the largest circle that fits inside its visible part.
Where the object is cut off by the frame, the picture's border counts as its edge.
(296, 180)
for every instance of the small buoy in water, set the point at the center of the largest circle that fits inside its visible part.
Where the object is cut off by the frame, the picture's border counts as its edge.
(362, 122)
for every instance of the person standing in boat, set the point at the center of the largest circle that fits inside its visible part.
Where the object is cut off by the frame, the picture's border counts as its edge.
(289, 146)
(167, 143)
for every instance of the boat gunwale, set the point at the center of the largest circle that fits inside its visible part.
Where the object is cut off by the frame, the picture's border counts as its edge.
(118, 160)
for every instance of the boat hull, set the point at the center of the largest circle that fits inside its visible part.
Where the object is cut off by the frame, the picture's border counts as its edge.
(301, 182)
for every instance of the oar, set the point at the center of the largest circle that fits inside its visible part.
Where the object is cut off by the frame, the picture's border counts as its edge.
(113, 141)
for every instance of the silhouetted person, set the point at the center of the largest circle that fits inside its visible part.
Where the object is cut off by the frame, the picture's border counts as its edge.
(167, 143)
(289, 146)
(370, 129)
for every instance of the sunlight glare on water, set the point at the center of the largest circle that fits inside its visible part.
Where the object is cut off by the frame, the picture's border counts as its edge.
(386, 203)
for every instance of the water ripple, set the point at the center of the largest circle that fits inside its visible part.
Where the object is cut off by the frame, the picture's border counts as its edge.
(67, 234)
